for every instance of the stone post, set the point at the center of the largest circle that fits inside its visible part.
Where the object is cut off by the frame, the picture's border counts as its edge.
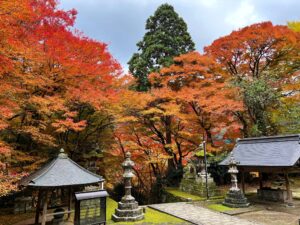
(233, 171)
(128, 175)
(128, 209)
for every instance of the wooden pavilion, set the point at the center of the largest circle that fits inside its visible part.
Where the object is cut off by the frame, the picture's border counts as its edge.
(60, 174)
(275, 155)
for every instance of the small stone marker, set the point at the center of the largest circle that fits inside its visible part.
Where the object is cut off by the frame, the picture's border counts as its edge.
(235, 197)
(194, 183)
(128, 209)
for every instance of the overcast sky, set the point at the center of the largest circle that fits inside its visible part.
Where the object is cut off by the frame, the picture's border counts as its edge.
(121, 23)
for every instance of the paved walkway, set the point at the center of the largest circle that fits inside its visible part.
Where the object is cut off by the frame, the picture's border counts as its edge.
(199, 215)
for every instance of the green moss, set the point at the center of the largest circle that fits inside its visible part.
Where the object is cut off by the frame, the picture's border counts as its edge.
(151, 217)
(219, 207)
(201, 154)
(184, 195)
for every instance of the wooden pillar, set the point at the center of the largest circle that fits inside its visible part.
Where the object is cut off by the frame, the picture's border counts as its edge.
(260, 180)
(38, 206)
(45, 203)
(243, 181)
(288, 189)
(70, 202)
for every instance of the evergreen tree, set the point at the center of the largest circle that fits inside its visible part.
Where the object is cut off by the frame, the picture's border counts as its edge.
(166, 37)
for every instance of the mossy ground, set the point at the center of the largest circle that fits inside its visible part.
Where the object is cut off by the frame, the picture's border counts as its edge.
(185, 195)
(219, 207)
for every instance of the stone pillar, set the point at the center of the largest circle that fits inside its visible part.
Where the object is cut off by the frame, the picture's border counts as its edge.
(235, 198)
(128, 209)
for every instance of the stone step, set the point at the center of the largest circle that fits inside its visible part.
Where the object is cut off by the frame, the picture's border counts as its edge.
(236, 199)
(128, 219)
(129, 213)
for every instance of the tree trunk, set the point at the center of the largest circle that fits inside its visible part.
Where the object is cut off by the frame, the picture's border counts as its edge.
(171, 163)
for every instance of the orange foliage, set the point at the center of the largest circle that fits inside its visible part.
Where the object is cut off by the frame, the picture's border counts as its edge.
(200, 82)
(46, 69)
(161, 128)
(253, 49)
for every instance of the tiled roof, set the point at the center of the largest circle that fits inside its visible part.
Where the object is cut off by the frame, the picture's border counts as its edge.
(61, 171)
(278, 151)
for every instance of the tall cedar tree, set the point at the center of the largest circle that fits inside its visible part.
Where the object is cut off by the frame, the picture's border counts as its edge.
(166, 37)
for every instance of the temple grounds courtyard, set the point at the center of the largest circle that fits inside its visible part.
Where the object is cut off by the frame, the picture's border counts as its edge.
(196, 210)
(263, 200)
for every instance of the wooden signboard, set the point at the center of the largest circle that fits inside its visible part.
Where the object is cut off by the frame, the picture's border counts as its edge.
(90, 208)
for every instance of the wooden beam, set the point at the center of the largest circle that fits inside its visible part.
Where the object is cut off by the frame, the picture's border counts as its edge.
(38, 206)
(260, 180)
(70, 202)
(262, 169)
(288, 189)
(60, 213)
(243, 181)
(45, 203)
(270, 169)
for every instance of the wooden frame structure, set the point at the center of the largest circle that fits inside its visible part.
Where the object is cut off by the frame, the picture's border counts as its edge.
(60, 174)
(275, 155)
(270, 170)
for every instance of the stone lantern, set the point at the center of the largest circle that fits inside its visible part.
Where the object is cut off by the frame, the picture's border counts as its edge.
(233, 171)
(235, 197)
(128, 209)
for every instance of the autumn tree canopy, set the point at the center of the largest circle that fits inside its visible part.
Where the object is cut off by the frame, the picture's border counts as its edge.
(164, 126)
(60, 88)
(55, 84)
(259, 57)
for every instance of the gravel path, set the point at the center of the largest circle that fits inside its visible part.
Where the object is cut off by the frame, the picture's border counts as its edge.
(199, 215)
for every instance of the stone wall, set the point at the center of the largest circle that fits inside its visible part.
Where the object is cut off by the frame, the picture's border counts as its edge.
(197, 187)
(277, 195)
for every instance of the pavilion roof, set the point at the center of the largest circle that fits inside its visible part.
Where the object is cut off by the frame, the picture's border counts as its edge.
(62, 171)
(275, 151)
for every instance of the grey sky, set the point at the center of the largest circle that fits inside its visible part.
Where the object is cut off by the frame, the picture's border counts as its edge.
(121, 23)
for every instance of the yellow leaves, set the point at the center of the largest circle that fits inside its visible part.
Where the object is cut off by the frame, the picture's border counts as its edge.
(126, 119)
(294, 25)
(63, 126)
(158, 159)
(152, 111)
(171, 109)
(185, 134)
(48, 104)
(9, 183)
(19, 156)
(38, 135)
(71, 114)
(5, 149)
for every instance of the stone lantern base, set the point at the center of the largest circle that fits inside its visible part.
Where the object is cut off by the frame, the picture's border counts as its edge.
(128, 210)
(236, 199)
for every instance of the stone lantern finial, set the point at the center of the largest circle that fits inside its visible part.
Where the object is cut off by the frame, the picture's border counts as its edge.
(62, 154)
